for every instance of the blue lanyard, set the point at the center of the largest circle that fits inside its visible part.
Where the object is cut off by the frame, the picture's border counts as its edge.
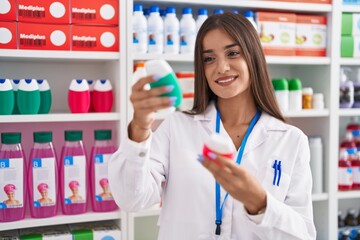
(219, 206)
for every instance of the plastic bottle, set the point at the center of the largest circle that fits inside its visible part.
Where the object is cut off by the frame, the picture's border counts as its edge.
(6, 97)
(355, 163)
(346, 90)
(250, 16)
(103, 96)
(350, 218)
(139, 29)
(155, 31)
(101, 197)
(345, 180)
(202, 16)
(171, 31)
(163, 14)
(139, 72)
(341, 220)
(218, 11)
(73, 178)
(318, 101)
(79, 96)
(307, 98)
(219, 145)
(45, 96)
(348, 143)
(12, 190)
(15, 84)
(187, 32)
(281, 88)
(295, 95)
(28, 97)
(43, 177)
(91, 84)
(356, 83)
(316, 163)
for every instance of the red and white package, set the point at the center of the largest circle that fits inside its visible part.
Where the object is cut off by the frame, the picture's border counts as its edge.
(8, 35)
(7, 10)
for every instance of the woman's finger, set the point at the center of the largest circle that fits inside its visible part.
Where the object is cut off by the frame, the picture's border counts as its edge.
(145, 94)
(140, 84)
(154, 103)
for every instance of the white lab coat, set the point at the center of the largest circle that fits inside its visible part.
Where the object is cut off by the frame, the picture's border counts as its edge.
(137, 172)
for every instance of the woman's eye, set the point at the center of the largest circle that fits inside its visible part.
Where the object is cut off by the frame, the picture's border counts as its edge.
(208, 59)
(233, 53)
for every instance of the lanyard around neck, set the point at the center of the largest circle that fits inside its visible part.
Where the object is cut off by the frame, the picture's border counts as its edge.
(219, 206)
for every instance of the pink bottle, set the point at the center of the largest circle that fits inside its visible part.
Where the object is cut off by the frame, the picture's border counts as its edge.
(12, 190)
(43, 177)
(91, 90)
(102, 96)
(79, 96)
(73, 179)
(345, 179)
(101, 197)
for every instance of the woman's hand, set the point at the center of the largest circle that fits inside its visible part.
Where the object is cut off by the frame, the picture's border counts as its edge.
(238, 182)
(145, 102)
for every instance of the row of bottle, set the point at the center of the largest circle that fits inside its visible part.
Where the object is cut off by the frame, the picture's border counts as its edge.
(39, 181)
(349, 225)
(169, 35)
(349, 160)
(349, 96)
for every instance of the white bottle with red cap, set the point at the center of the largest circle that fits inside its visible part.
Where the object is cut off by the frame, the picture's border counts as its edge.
(102, 96)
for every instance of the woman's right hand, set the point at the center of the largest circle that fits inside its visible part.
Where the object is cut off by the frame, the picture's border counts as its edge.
(145, 103)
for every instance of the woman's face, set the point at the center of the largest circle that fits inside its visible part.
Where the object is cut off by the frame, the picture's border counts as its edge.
(75, 190)
(11, 195)
(43, 193)
(225, 69)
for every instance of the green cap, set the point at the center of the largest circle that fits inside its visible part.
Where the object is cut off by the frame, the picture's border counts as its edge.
(280, 84)
(73, 136)
(295, 84)
(102, 134)
(11, 138)
(42, 137)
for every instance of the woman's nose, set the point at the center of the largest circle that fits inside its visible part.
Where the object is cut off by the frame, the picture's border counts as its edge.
(222, 66)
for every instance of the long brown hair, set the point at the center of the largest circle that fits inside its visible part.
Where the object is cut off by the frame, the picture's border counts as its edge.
(245, 35)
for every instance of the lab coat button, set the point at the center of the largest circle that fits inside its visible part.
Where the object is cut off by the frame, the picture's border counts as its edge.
(142, 154)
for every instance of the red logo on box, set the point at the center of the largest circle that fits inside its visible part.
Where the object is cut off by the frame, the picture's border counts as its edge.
(100, 12)
(8, 10)
(43, 36)
(94, 38)
(8, 35)
(45, 11)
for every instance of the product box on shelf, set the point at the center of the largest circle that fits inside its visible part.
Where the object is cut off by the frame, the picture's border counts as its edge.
(310, 35)
(277, 33)
(186, 81)
(96, 230)
(94, 38)
(43, 36)
(350, 46)
(9, 235)
(100, 12)
(57, 232)
(8, 10)
(8, 35)
(45, 11)
(350, 24)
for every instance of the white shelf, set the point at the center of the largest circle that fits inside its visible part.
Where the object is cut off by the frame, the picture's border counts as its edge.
(7, 55)
(291, 6)
(350, 61)
(317, 197)
(348, 194)
(351, 8)
(349, 112)
(308, 113)
(60, 219)
(60, 117)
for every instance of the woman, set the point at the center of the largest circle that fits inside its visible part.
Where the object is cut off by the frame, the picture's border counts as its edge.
(106, 194)
(9, 189)
(74, 187)
(269, 192)
(43, 190)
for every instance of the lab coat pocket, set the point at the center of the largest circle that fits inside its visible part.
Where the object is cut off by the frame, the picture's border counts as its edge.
(276, 180)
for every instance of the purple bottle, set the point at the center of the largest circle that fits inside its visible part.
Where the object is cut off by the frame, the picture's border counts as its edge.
(346, 94)
(12, 189)
(73, 179)
(43, 177)
(101, 197)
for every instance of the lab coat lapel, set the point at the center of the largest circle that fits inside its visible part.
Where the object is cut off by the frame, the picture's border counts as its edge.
(259, 133)
(208, 118)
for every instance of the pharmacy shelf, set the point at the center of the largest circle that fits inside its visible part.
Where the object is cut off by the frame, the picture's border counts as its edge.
(348, 194)
(60, 117)
(351, 8)
(307, 113)
(60, 219)
(15, 55)
(349, 112)
(288, 6)
(317, 197)
(350, 61)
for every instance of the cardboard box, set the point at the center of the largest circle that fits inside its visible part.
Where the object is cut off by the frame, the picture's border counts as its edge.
(96, 230)
(8, 35)
(277, 33)
(43, 36)
(8, 10)
(350, 47)
(45, 11)
(350, 24)
(94, 38)
(311, 35)
(9, 235)
(99, 12)
(57, 232)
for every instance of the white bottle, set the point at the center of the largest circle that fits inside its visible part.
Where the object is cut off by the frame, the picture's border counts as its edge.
(202, 16)
(318, 101)
(139, 28)
(316, 163)
(250, 16)
(171, 31)
(155, 31)
(187, 32)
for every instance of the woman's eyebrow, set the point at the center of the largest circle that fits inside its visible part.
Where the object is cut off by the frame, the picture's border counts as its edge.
(226, 47)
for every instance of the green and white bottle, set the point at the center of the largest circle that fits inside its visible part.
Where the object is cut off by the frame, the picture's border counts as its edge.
(6, 97)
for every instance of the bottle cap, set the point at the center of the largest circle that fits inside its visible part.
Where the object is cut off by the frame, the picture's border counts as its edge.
(162, 12)
(202, 11)
(235, 11)
(249, 14)
(307, 91)
(154, 9)
(170, 10)
(5, 84)
(43, 85)
(42, 137)
(218, 11)
(318, 97)
(102, 134)
(11, 138)
(295, 84)
(187, 10)
(280, 84)
(73, 136)
(138, 8)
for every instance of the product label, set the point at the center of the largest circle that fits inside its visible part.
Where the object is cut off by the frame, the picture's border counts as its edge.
(345, 176)
(44, 184)
(171, 39)
(187, 40)
(75, 179)
(11, 183)
(356, 24)
(155, 39)
(356, 174)
(139, 38)
(102, 188)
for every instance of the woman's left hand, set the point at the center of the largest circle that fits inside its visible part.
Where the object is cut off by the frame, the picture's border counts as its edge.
(238, 182)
